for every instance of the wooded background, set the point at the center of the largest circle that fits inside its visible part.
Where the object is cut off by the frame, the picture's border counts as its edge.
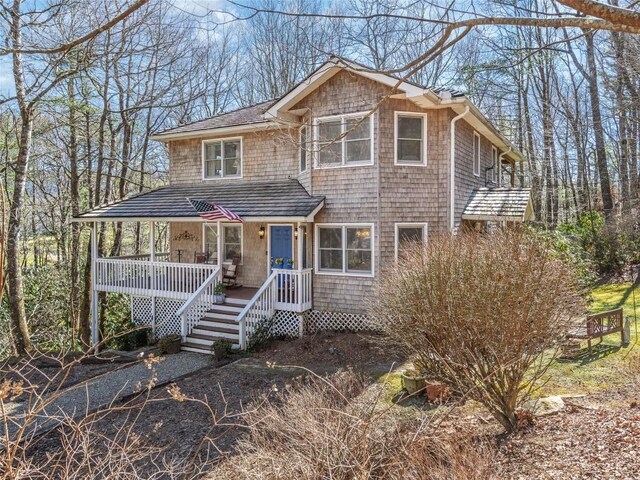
(75, 117)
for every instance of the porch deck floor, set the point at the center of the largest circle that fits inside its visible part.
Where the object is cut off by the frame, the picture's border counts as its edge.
(242, 293)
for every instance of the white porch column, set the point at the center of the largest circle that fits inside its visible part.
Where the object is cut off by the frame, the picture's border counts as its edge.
(152, 241)
(300, 245)
(94, 292)
(152, 259)
(219, 244)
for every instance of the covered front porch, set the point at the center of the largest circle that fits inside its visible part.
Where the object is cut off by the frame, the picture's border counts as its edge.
(260, 257)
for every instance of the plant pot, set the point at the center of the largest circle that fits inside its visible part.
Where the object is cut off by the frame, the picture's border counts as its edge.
(170, 344)
(219, 298)
(412, 384)
(437, 392)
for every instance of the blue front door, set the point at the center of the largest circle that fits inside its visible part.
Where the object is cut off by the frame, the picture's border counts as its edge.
(281, 244)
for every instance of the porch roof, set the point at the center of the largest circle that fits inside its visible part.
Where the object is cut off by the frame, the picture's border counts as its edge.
(253, 201)
(499, 203)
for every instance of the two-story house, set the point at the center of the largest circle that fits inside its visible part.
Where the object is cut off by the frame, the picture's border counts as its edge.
(304, 201)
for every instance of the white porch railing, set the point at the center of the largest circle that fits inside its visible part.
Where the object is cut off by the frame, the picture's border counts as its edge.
(164, 256)
(198, 303)
(288, 290)
(294, 289)
(146, 278)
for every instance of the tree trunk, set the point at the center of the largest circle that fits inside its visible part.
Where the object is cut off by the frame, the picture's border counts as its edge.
(19, 328)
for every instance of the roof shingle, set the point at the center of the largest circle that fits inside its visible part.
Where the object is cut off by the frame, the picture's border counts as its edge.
(499, 203)
(285, 198)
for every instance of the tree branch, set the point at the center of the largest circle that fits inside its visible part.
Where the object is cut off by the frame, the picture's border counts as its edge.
(78, 41)
(610, 13)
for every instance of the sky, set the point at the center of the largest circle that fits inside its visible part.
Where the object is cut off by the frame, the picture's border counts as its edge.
(198, 8)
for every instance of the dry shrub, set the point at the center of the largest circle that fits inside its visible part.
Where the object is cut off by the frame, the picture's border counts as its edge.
(482, 313)
(329, 428)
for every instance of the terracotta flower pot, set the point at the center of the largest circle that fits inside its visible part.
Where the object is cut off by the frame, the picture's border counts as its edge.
(437, 392)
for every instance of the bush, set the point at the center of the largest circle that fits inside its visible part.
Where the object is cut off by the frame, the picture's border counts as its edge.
(482, 313)
(606, 246)
(325, 428)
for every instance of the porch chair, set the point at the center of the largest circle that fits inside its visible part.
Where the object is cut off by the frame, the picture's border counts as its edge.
(200, 257)
(230, 276)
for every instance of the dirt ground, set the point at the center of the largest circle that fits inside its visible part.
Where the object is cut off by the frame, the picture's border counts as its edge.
(596, 435)
(329, 351)
(205, 422)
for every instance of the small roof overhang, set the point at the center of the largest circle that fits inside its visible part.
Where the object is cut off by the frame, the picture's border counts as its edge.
(278, 201)
(499, 203)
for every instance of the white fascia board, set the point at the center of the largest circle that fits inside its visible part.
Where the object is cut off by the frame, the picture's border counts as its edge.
(251, 127)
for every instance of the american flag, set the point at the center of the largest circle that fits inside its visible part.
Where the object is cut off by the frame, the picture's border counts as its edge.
(211, 211)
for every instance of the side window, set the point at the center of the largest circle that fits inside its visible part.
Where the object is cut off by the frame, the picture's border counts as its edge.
(410, 141)
(476, 154)
(304, 147)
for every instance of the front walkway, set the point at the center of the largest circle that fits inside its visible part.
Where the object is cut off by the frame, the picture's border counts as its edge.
(100, 392)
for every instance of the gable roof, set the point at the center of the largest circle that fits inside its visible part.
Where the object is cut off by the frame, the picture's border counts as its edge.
(273, 114)
(425, 97)
(499, 203)
(250, 200)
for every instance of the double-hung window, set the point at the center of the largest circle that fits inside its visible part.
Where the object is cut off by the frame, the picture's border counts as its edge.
(476, 154)
(222, 158)
(231, 241)
(410, 138)
(344, 140)
(345, 249)
(409, 235)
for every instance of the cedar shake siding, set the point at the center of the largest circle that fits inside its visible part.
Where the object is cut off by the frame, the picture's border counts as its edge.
(466, 180)
(266, 155)
(381, 194)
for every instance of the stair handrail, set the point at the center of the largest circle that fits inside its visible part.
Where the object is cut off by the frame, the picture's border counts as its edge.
(195, 296)
(241, 319)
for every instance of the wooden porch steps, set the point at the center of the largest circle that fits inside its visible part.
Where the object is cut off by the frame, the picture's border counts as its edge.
(218, 323)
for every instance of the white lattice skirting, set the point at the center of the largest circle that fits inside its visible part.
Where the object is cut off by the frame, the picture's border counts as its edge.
(288, 324)
(166, 321)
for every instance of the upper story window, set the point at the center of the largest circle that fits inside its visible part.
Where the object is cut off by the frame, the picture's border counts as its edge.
(495, 163)
(222, 158)
(344, 249)
(304, 147)
(344, 140)
(476, 154)
(410, 138)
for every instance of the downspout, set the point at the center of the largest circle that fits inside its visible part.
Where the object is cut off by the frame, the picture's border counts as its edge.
(500, 164)
(452, 176)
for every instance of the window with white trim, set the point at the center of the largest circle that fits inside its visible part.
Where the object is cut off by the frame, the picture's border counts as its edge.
(345, 249)
(410, 138)
(231, 241)
(476, 154)
(304, 147)
(344, 140)
(495, 162)
(408, 235)
(222, 158)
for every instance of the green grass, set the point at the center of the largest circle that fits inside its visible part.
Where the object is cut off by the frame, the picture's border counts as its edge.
(609, 365)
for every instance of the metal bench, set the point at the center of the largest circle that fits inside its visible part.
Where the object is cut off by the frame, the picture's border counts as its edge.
(598, 326)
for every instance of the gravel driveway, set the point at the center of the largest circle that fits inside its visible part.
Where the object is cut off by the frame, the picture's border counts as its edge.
(101, 391)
